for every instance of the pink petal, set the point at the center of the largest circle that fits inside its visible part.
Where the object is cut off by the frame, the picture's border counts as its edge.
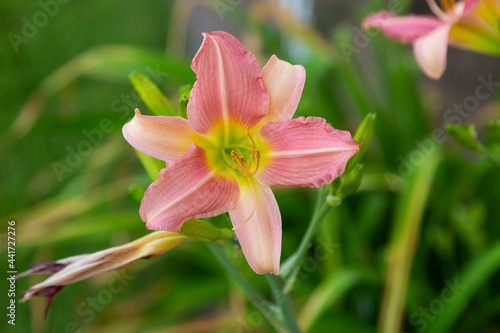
(186, 189)
(430, 51)
(229, 85)
(304, 152)
(166, 138)
(257, 220)
(469, 5)
(405, 29)
(284, 83)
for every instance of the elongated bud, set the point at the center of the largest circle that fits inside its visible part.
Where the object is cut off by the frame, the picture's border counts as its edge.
(363, 136)
(184, 99)
(204, 231)
(152, 96)
(73, 269)
(352, 181)
(183, 102)
(464, 135)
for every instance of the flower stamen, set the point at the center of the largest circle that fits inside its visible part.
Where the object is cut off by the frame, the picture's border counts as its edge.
(445, 5)
(242, 163)
(436, 10)
(257, 167)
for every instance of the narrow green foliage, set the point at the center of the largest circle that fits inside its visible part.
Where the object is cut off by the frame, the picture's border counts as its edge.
(136, 192)
(152, 96)
(152, 165)
(403, 244)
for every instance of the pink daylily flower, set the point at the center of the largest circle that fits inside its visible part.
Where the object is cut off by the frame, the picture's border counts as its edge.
(470, 24)
(239, 140)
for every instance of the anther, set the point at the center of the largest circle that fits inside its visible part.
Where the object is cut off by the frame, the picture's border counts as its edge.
(242, 163)
(236, 157)
(250, 137)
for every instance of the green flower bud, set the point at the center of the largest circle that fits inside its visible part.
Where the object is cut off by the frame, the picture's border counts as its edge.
(363, 136)
(184, 99)
(464, 135)
(336, 185)
(352, 181)
(333, 200)
(183, 102)
(204, 231)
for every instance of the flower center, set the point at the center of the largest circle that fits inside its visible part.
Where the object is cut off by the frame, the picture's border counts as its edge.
(232, 151)
(242, 163)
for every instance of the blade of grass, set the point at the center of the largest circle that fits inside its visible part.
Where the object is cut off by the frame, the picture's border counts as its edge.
(326, 294)
(403, 243)
(255, 297)
(111, 62)
(473, 277)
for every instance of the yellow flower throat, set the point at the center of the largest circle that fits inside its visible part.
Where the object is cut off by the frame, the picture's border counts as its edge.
(232, 151)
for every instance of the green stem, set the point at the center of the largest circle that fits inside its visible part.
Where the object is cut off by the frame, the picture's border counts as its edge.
(283, 302)
(291, 267)
(254, 296)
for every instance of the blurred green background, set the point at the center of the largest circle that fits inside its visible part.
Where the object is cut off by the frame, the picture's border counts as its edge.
(425, 217)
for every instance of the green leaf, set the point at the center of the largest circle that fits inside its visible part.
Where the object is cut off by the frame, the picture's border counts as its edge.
(152, 165)
(326, 294)
(466, 285)
(404, 239)
(136, 192)
(152, 96)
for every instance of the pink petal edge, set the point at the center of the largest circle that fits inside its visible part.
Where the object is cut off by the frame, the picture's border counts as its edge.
(304, 152)
(165, 138)
(229, 84)
(285, 83)
(405, 29)
(257, 220)
(431, 50)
